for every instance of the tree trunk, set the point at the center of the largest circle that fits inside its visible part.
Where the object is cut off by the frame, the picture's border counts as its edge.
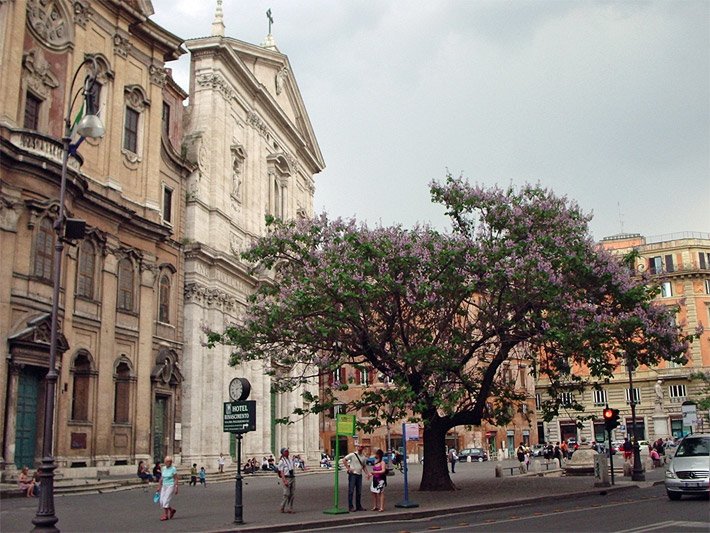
(435, 475)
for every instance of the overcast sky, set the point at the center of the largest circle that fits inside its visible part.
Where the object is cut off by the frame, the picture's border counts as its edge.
(605, 102)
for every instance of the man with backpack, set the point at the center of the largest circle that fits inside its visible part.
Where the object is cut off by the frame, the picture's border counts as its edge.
(355, 463)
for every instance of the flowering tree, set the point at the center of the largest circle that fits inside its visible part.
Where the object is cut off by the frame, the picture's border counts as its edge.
(439, 314)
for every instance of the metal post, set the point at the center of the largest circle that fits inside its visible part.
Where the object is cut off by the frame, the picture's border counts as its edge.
(637, 474)
(238, 506)
(406, 504)
(611, 457)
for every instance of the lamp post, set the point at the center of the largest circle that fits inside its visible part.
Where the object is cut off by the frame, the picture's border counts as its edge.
(637, 474)
(89, 126)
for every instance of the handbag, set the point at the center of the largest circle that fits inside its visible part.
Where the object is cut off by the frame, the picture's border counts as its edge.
(389, 472)
(156, 497)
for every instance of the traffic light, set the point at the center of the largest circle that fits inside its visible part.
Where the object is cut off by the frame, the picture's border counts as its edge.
(611, 418)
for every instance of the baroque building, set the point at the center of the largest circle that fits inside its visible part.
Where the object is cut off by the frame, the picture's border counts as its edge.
(120, 309)
(255, 153)
(679, 264)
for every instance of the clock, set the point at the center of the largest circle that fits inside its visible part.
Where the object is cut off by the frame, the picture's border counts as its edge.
(239, 389)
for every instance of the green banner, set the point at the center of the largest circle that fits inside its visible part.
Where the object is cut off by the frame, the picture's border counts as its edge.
(345, 425)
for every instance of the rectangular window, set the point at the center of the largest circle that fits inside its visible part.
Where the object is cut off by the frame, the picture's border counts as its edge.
(655, 265)
(365, 377)
(707, 286)
(122, 392)
(669, 263)
(704, 260)
(666, 289)
(130, 131)
(676, 391)
(600, 397)
(166, 118)
(167, 204)
(32, 105)
(637, 396)
(538, 401)
(566, 399)
(80, 400)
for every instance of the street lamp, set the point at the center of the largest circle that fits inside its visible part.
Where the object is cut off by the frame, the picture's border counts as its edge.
(637, 474)
(89, 126)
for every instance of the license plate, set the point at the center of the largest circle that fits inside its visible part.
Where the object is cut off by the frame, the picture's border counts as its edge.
(690, 485)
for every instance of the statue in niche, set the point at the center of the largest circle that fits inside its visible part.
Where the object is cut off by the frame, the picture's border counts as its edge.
(238, 156)
(658, 390)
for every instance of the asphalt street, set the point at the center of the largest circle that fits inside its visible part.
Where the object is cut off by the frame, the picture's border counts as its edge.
(212, 508)
(632, 511)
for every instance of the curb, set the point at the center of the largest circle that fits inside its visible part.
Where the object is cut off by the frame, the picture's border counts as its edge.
(413, 515)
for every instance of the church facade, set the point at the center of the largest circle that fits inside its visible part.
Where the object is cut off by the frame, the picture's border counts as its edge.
(255, 153)
(120, 307)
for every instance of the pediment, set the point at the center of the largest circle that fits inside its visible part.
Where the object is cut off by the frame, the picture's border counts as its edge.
(35, 332)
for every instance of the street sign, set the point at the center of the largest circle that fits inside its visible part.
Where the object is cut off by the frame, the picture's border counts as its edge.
(345, 424)
(239, 417)
(412, 431)
(690, 414)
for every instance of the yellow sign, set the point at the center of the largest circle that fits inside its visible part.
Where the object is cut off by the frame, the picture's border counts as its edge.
(345, 424)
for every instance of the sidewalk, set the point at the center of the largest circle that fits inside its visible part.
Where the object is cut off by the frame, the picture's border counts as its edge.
(212, 509)
(472, 495)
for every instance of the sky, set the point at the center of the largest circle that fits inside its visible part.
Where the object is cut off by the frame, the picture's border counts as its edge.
(607, 103)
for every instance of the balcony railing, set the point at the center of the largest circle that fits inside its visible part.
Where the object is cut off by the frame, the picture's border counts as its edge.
(44, 146)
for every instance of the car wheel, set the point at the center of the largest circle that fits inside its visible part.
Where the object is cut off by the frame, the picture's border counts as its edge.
(675, 496)
(480, 459)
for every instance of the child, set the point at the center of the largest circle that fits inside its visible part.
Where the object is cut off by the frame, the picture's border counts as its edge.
(203, 476)
(193, 475)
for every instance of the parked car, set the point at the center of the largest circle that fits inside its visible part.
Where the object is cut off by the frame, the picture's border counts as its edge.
(689, 471)
(537, 450)
(476, 454)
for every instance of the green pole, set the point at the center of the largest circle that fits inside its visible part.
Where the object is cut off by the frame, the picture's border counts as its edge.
(336, 491)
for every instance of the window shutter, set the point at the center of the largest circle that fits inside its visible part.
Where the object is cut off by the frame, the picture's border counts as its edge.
(703, 264)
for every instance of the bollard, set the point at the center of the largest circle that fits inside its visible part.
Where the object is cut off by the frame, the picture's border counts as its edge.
(499, 471)
(536, 467)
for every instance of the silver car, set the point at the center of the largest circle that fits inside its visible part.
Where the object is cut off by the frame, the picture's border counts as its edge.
(689, 471)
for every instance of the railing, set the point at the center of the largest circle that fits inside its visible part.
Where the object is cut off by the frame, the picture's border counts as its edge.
(653, 239)
(44, 146)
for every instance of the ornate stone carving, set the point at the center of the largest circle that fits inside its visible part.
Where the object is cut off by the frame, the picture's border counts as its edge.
(255, 120)
(281, 76)
(238, 157)
(136, 97)
(49, 22)
(121, 44)
(9, 213)
(158, 75)
(38, 73)
(82, 12)
(209, 297)
(235, 244)
(216, 82)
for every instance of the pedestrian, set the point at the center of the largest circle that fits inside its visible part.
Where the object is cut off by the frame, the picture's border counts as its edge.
(563, 449)
(379, 482)
(26, 482)
(143, 473)
(168, 487)
(520, 452)
(157, 471)
(452, 459)
(220, 463)
(193, 475)
(628, 449)
(355, 464)
(203, 477)
(287, 472)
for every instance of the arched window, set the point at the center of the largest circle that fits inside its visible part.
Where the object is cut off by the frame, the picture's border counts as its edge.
(44, 245)
(126, 283)
(87, 269)
(122, 393)
(80, 388)
(164, 299)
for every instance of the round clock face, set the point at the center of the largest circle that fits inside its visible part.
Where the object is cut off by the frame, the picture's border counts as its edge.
(239, 389)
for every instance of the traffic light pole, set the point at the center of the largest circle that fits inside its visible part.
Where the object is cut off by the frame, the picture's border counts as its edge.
(611, 456)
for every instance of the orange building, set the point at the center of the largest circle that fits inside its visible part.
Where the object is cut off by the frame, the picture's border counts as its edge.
(680, 265)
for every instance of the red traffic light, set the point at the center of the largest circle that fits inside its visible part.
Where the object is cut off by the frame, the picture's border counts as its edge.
(608, 413)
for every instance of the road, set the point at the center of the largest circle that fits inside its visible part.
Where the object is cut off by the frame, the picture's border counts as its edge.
(628, 512)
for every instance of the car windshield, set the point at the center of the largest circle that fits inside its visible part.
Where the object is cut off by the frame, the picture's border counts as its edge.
(695, 447)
